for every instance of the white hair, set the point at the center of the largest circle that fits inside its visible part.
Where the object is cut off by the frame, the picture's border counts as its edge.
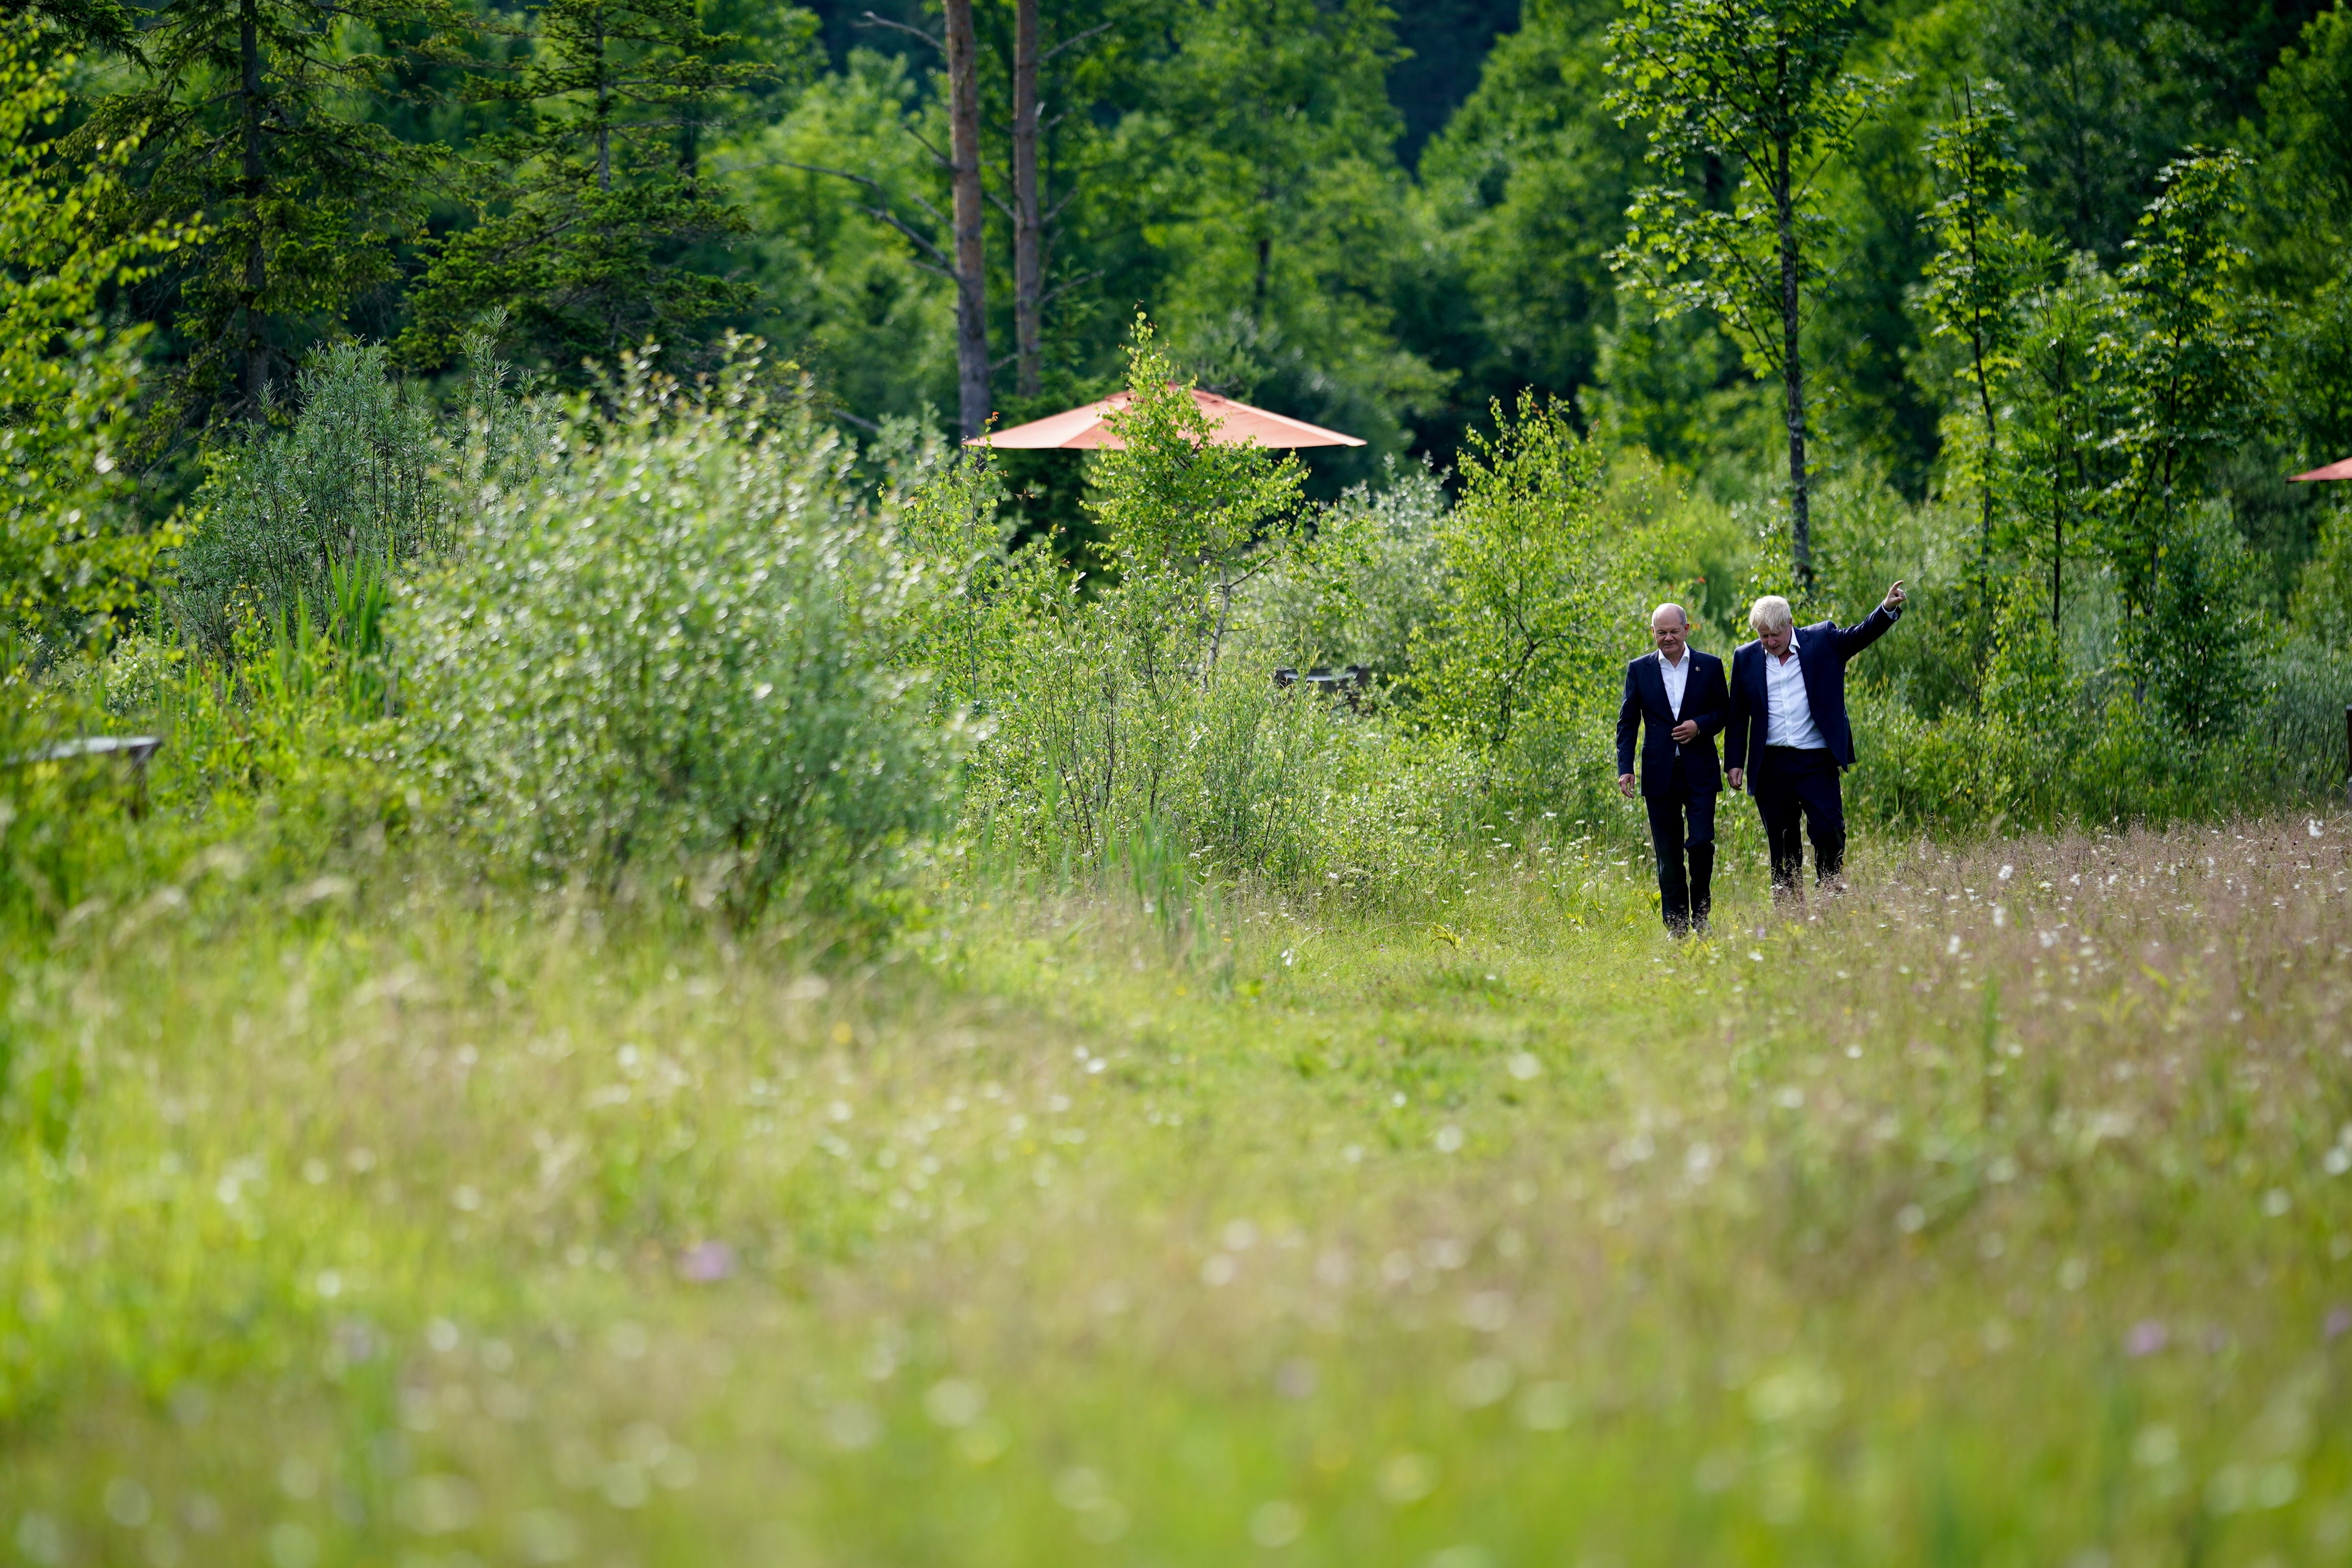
(1771, 614)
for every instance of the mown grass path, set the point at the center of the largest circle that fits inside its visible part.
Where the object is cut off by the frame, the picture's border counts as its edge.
(1998, 1213)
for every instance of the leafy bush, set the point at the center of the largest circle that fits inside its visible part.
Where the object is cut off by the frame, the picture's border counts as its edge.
(68, 550)
(72, 556)
(1365, 583)
(666, 654)
(1518, 663)
(281, 512)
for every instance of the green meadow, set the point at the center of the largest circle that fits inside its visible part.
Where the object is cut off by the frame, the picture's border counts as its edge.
(1995, 1212)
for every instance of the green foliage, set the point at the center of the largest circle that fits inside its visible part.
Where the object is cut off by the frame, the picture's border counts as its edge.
(1366, 583)
(1981, 263)
(1528, 183)
(2322, 607)
(2314, 373)
(1290, 208)
(1758, 95)
(2188, 361)
(2304, 182)
(68, 549)
(849, 297)
(1516, 646)
(350, 484)
(665, 655)
(2059, 464)
(593, 216)
(1147, 705)
(248, 114)
(2204, 638)
(1174, 503)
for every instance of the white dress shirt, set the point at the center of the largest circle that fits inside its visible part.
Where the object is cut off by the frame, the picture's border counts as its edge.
(1787, 714)
(1677, 678)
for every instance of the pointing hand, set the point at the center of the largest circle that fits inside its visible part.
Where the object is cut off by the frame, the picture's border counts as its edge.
(1894, 596)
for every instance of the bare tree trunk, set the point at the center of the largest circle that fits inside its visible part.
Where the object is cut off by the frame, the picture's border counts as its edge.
(1792, 372)
(970, 260)
(1028, 229)
(2057, 563)
(603, 116)
(255, 188)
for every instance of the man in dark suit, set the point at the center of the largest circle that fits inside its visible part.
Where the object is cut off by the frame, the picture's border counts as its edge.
(1676, 697)
(1788, 734)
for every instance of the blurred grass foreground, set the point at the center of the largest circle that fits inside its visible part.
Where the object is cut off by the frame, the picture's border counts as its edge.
(1995, 1213)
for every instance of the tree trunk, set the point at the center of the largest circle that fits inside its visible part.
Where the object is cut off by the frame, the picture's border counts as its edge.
(255, 186)
(2057, 563)
(603, 117)
(1792, 372)
(1028, 232)
(970, 260)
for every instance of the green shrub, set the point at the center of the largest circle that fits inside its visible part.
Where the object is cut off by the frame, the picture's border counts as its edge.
(664, 659)
(1147, 707)
(2301, 692)
(1364, 584)
(70, 553)
(353, 479)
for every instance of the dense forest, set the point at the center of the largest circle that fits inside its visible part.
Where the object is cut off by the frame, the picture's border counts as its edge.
(1378, 218)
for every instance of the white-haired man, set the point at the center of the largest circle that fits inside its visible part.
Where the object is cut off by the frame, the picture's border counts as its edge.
(1788, 734)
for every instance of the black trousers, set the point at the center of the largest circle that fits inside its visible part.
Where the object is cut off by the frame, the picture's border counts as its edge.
(1682, 823)
(1790, 784)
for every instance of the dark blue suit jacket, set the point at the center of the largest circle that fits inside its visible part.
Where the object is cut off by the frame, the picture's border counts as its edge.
(1705, 700)
(1821, 653)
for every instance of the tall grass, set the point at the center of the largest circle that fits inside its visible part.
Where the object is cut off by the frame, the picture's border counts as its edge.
(1997, 1211)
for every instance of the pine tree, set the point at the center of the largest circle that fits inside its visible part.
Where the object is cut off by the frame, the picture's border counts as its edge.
(246, 115)
(590, 213)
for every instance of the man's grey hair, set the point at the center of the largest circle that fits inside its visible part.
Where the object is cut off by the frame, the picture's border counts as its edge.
(1771, 614)
(1678, 609)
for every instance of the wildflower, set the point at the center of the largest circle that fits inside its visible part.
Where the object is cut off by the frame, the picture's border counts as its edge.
(2146, 1337)
(707, 1262)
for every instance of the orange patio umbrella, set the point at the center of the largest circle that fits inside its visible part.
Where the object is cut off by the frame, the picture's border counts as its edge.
(1232, 425)
(2333, 471)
